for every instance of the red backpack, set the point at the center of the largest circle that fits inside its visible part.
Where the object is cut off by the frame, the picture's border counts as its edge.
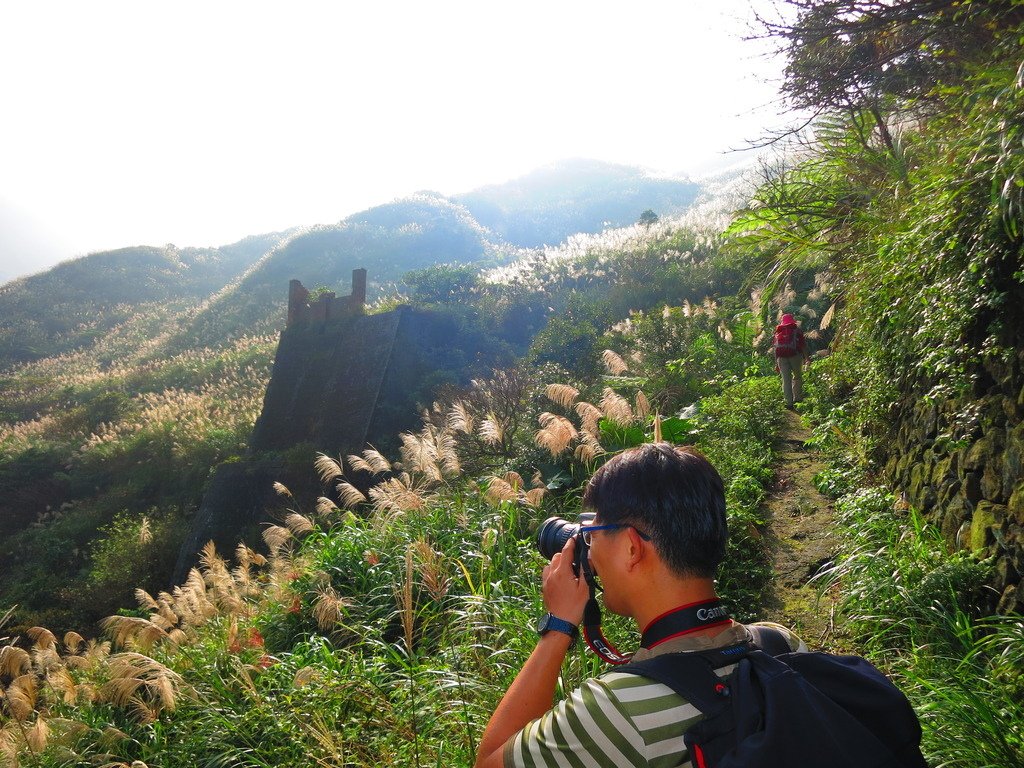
(787, 341)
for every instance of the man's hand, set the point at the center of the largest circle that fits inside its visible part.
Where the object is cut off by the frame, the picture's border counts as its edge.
(565, 594)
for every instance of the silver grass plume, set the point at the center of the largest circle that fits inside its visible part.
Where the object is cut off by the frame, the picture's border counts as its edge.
(394, 496)
(350, 495)
(556, 433)
(328, 608)
(643, 405)
(299, 525)
(443, 449)
(14, 661)
(73, 642)
(45, 659)
(41, 637)
(219, 580)
(616, 407)
(460, 418)
(132, 632)
(589, 448)
(499, 490)
(21, 697)
(589, 415)
(10, 738)
(432, 572)
(145, 532)
(613, 363)
(535, 497)
(276, 538)
(420, 455)
(561, 394)
(358, 463)
(38, 735)
(327, 468)
(826, 319)
(376, 460)
(133, 675)
(491, 430)
(325, 506)
(146, 600)
(61, 681)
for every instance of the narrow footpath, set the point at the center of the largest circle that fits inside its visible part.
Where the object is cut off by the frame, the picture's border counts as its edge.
(802, 539)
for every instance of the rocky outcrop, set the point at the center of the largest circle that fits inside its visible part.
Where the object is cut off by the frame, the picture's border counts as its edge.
(961, 462)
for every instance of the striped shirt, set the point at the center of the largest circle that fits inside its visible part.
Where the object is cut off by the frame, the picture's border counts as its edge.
(620, 719)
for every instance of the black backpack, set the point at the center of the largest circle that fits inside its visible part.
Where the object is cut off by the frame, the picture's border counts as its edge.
(813, 710)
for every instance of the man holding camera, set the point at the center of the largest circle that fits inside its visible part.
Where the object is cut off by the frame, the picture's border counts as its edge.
(657, 538)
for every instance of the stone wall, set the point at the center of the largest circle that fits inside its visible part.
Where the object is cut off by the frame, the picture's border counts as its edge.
(960, 462)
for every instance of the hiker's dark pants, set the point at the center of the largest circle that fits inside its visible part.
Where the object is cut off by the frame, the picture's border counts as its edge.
(792, 378)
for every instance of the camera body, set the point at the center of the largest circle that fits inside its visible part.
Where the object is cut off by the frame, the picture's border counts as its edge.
(553, 534)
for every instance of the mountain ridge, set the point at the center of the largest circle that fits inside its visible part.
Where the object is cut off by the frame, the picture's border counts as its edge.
(239, 288)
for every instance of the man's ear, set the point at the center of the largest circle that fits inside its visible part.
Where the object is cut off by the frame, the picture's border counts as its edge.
(637, 549)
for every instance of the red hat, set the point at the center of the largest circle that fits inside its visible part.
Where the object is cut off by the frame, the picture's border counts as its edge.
(788, 319)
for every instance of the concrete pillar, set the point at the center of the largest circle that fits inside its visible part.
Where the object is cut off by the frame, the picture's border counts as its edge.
(298, 297)
(358, 288)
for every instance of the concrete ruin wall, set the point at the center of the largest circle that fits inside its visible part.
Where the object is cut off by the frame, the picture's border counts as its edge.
(327, 305)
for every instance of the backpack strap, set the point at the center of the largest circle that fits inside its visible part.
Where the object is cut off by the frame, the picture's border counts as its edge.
(772, 641)
(691, 675)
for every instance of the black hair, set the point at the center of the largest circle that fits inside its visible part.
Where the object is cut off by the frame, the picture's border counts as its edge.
(674, 495)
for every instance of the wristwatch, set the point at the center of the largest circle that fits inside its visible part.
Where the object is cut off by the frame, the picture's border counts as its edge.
(551, 623)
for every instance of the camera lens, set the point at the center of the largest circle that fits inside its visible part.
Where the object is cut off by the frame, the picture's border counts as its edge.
(552, 535)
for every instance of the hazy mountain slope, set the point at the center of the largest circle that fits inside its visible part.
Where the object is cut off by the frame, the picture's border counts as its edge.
(550, 204)
(387, 241)
(70, 305)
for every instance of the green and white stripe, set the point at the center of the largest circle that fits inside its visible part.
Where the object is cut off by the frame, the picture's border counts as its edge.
(615, 720)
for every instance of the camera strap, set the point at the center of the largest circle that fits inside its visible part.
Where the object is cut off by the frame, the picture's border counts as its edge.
(594, 636)
(675, 623)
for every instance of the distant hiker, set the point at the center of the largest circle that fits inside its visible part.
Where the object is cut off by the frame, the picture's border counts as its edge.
(790, 349)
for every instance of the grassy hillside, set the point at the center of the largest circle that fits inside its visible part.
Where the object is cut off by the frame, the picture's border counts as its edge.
(72, 305)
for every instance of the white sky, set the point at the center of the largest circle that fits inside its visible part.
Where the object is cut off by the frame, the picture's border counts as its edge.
(126, 122)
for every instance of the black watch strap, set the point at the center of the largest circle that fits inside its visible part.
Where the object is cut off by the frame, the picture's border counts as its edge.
(551, 623)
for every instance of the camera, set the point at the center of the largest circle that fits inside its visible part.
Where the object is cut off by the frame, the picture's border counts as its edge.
(555, 532)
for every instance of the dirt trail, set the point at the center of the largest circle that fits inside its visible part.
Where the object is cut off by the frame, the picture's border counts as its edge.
(801, 532)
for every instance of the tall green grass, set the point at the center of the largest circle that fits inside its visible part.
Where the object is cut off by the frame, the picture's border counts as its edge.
(916, 607)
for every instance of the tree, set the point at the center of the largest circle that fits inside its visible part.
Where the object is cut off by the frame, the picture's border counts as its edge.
(883, 56)
(647, 218)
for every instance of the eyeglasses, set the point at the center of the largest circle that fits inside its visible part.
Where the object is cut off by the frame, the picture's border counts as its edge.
(587, 530)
